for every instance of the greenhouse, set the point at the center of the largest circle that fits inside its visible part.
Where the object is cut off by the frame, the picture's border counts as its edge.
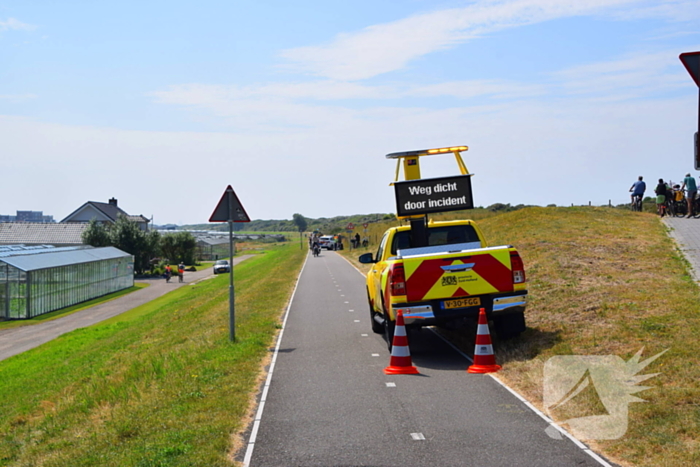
(39, 279)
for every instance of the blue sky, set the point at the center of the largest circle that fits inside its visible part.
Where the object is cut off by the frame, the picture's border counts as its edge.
(295, 104)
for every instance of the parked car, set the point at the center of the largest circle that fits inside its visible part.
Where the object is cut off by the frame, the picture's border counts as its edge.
(221, 266)
(326, 241)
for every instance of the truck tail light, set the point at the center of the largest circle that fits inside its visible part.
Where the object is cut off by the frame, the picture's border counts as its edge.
(516, 264)
(397, 280)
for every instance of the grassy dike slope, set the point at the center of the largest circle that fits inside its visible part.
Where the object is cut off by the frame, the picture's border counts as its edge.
(160, 385)
(605, 281)
(610, 282)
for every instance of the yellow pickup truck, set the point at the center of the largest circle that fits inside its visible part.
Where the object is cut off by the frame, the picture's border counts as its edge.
(446, 280)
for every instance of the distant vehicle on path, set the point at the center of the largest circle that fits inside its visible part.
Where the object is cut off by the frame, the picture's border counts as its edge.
(222, 266)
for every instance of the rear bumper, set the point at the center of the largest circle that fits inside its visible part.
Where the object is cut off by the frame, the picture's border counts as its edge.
(430, 313)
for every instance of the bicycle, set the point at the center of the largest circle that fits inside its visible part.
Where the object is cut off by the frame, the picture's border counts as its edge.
(637, 203)
(670, 207)
(696, 207)
(678, 205)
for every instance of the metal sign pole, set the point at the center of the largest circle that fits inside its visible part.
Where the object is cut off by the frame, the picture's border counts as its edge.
(231, 299)
(230, 210)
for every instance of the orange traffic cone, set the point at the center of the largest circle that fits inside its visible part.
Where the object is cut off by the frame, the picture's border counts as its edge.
(400, 362)
(484, 360)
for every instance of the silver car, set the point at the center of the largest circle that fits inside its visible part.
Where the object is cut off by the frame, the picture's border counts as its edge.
(221, 266)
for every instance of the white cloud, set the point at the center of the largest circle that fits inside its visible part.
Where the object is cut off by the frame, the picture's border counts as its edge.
(498, 89)
(329, 90)
(18, 97)
(528, 151)
(391, 46)
(320, 103)
(12, 24)
(675, 10)
(632, 76)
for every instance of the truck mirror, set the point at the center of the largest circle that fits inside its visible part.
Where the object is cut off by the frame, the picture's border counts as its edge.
(366, 258)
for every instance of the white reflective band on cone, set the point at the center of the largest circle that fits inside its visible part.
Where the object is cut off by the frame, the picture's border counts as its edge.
(483, 329)
(401, 351)
(483, 350)
(400, 331)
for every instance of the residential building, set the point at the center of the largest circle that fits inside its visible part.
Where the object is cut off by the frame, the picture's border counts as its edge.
(107, 213)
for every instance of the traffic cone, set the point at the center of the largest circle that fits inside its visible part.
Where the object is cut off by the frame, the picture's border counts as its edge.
(400, 362)
(484, 360)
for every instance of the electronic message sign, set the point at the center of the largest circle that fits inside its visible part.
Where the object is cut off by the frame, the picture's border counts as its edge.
(427, 195)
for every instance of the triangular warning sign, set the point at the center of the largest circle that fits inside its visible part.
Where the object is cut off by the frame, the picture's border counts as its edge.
(229, 209)
(691, 61)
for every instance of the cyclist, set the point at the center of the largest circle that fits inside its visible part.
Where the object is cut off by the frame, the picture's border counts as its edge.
(692, 189)
(637, 189)
(315, 246)
(660, 192)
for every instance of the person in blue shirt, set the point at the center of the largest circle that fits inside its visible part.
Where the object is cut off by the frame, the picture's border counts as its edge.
(638, 188)
(689, 184)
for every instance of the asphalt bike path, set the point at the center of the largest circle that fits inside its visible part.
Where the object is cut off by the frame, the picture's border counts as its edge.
(686, 233)
(328, 402)
(17, 340)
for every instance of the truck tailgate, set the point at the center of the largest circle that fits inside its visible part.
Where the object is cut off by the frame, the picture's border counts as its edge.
(458, 274)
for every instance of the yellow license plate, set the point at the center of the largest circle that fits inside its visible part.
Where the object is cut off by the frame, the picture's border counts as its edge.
(461, 303)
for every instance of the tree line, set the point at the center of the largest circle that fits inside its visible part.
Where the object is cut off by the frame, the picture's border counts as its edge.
(148, 247)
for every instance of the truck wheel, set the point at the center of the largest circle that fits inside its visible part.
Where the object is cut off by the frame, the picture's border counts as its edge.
(389, 327)
(377, 328)
(510, 326)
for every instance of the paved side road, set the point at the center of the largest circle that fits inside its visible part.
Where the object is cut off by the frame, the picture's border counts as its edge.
(17, 340)
(686, 233)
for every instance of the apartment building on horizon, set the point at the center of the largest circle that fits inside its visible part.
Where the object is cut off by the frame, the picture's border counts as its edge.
(28, 216)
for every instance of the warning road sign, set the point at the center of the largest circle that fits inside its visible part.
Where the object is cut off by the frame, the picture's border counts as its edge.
(691, 62)
(229, 209)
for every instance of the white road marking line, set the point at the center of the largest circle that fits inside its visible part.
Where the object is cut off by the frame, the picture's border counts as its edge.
(578, 443)
(357, 320)
(364, 335)
(258, 415)
(417, 436)
(391, 385)
(375, 354)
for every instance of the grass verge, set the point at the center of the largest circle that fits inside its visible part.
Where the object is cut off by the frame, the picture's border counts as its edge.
(162, 385)
(605, 282)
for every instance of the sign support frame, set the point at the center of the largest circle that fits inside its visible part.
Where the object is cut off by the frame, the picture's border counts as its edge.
(230, 210)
